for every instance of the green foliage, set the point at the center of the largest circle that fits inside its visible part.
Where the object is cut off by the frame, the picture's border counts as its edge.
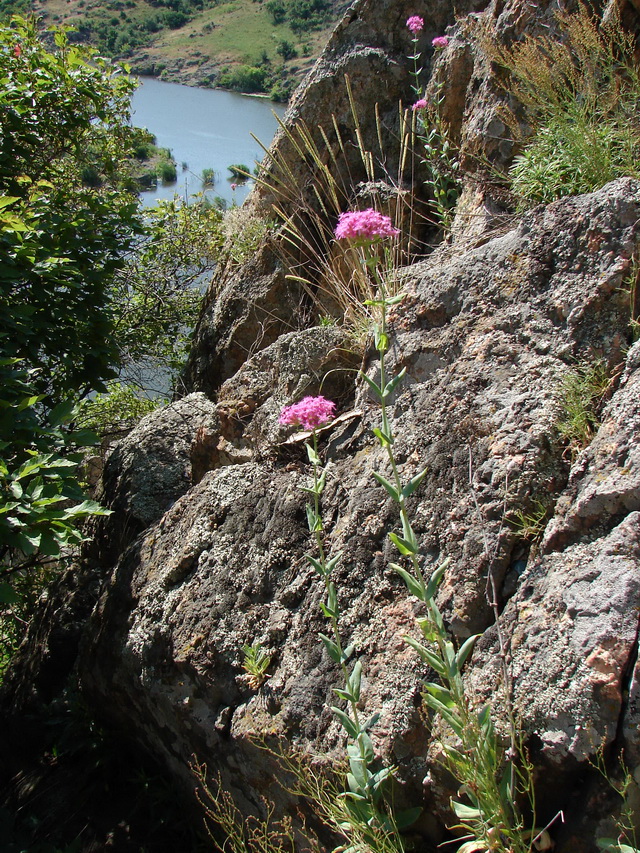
(301, 15)
(208, 177)
(620, 780)
(440, 158)
(246, 78)
(286, 50)
(61, 241)
(580, 400)
(117, 410)
(240, 171)
(256, 662)
(574, 154)
(155, 295)
(489, 779)
(166, 171)
(529, 525)
(62, 244)
(582, 96)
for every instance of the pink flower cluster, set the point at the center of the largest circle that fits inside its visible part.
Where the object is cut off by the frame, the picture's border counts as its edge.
(309, 413)
(415, 24)
(420, 105)
(364, 225)
(440, 42)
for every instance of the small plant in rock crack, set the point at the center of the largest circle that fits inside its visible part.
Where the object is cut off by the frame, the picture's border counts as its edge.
(529, 526)
(439, 155)
(489, 776)
(368, 821)
(256, 662)
(580, 399)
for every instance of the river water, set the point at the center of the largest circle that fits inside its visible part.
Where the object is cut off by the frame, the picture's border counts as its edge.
(205, 129)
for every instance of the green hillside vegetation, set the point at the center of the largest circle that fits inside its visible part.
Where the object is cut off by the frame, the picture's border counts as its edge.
(261, 46)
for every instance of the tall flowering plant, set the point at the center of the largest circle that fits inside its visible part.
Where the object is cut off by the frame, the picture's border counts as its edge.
(438, 154)
(488, 776)
(368, 820)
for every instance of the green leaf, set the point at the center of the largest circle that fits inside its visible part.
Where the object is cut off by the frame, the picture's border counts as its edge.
(367, 746)
(406, 548)
(390, 387)
(465, 650)
(383, 437)
(313, 520)
(328, 612)
(311, 453)
(405, 818)
(341, 693)
(370, 722)
(332, 649)
(62, 413)
(347, 723)
(414, 585)
(441, 694)
(387, 485)
(435, 579)
(353, 684)
(429, 657)
(372, 384)
(413, 484)
(317, 565)
(87, 508)
(346, 654)
(28, 402)
(333, 562)
(465, 812)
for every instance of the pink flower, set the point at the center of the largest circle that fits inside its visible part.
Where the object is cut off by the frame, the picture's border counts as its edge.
(310, 412)
(364, 225)
(415, 24)
(420, 105)
(17, 50)
(440, 42)
(234, 186)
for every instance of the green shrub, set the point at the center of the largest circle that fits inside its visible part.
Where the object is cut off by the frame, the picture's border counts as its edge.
(117, 410)
(286, 50)
(572, 155)
(240, 171)
(208, 177)
(247, 78)
(166, 171)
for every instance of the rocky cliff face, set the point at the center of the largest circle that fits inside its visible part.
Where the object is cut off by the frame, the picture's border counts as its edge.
(205, 550)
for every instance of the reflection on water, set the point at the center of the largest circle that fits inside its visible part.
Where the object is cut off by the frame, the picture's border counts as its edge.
(205, 129)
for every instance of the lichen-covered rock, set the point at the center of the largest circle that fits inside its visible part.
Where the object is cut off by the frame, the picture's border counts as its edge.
(486, 336)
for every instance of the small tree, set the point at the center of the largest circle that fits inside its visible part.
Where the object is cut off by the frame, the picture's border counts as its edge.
(62, 243)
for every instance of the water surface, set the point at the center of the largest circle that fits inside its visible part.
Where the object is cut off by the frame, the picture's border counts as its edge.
(206, 129)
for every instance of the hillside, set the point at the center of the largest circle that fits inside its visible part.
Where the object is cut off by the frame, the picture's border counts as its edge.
(255, 46)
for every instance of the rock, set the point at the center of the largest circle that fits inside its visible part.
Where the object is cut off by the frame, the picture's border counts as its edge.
(486, 336)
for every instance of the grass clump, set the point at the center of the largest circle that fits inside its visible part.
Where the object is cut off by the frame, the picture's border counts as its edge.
(256, 661)
(581, 397)
(581, 93)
